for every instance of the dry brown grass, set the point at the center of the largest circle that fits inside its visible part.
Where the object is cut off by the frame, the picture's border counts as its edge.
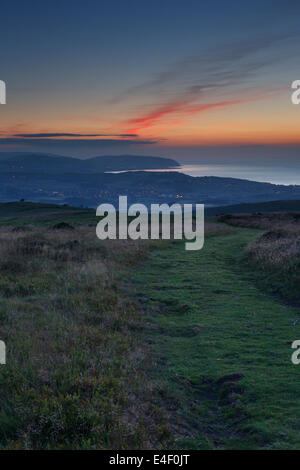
(216, 228)
(279, 246)
(76, 373)
(275, 254)
(281, 253)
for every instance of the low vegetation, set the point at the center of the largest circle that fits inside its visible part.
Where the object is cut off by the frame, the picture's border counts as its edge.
(76, 368)
(222, 346)
(275, 254)
(137, 345)
(25, 213)
(78, 373)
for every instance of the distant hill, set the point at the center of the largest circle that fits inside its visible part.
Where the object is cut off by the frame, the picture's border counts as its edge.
(91, 189)
(65, 180)
(19, 213)
(55, 164)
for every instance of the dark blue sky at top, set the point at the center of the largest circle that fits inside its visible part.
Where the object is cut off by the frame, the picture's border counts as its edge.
(70, 40)
(96, 49)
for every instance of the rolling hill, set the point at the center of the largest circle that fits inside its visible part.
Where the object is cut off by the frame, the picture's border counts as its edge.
(248, 208)
(91, 189)
(56, 164)
(66, 180)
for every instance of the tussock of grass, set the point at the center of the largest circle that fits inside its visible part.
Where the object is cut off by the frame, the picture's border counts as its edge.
(275, 254)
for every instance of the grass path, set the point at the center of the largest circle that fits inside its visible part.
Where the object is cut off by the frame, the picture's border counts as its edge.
(207, 318)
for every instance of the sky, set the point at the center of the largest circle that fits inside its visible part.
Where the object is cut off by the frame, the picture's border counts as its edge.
(194, 80)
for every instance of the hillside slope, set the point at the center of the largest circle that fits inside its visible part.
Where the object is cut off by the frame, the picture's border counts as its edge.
(56, 164)
(143, 187)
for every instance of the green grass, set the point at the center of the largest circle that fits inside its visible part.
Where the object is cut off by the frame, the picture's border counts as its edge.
(273, 257)
(207, 318)
(75, 371)
(94, 365)
(38, 214)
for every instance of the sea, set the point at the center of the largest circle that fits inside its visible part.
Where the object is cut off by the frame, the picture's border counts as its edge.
(268, 174)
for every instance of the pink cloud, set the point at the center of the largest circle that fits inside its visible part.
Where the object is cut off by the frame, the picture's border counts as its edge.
(181, 106)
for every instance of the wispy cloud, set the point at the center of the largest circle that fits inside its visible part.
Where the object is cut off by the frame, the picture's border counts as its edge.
(212, 79)
(64, 134)
(222, 66)
(81, 147)
(30, 141)
(184, 107)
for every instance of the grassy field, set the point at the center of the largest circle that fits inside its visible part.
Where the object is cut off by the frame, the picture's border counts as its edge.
(137, 345)
(24, 213)
(75, 371)
(222, 347)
